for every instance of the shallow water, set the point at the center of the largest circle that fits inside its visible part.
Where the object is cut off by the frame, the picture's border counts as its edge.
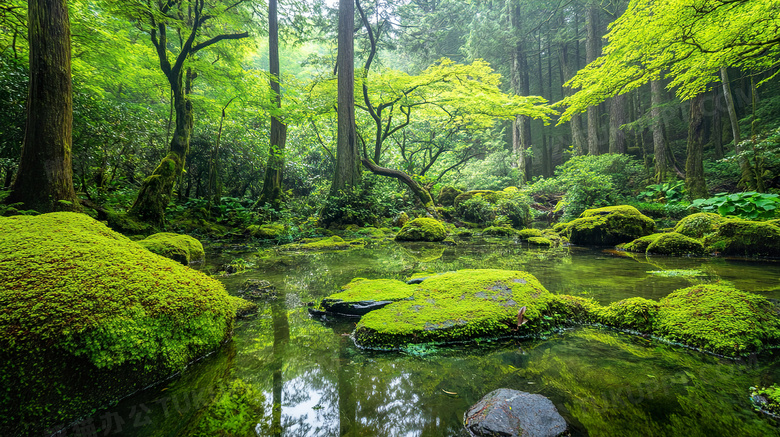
(288, 375)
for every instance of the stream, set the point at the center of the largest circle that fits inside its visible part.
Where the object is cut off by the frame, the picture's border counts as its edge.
(285, 374)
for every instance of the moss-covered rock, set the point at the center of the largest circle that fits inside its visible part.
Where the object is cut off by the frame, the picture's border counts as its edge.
(489, 195)
(529, 232)
(447, 196)
(673, 243)
(89, 316)
(270, 231)
(698, 225)
(636, 314)
(640, 244)
(362, 295)
(744, 238)
(541, 241)
(422, 229)
(719, 319)
(371, 232)
(608, 226)
(459, 306)
(500, 231)
(331, 243)
(181, 248)
(242, 307)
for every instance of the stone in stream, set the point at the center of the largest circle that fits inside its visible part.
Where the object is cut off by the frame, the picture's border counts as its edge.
(510, 413)
(257, 289)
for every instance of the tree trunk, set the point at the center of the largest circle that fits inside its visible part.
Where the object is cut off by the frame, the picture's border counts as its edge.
(347, 174)
(272, 183)
(659, 148)
(422, 194)
(716, 136)
(592, 49)
(617, 118)
(44, 179)
(748, 180)
(577, 134)
(694, 166)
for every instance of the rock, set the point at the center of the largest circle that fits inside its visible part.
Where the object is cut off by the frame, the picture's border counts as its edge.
(510, 413)
(673, 243)
(400, 220)
(422, 229)
(269, 231)
(640, 244)
(744, 238)
(529, 233)
(257, 289)
(608, 226)
(181, 248)
(500, 231)
(698, 225)
(447, 196)
(89, 317)
(362, 295)
(489, 195)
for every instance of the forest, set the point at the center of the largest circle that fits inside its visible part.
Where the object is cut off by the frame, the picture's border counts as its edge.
(302, 167)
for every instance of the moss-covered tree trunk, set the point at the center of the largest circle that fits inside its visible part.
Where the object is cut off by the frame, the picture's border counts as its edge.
(694, 166)
(272, 182)
(44, 180)
(419, 191)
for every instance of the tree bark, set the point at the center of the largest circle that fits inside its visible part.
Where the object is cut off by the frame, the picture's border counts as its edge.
(694, 166)
(347, 173)
(748, 180)
(592, 49)
(716, 136)
(577, 134)
(44, 179)
(422, 194)
(659, 148)
(272, 183)
(617, 118)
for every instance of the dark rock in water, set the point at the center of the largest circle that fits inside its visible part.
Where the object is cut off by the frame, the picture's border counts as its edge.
(257, 289)
(417, 280)
(353, 308)
(510, 413)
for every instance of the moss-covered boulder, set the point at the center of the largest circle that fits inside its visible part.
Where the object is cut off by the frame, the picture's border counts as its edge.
(719, 319)
(270, 231)
(422, 229)
(88, 316)
(458, 306)
(673, 243)
(331, 243)
(529, 233)
(640, 244)
(489, 195)
(698, 225)
(362, 295)
(447, 196)
(608, 226)
(181, 248)
(635, 313)
(744, 238)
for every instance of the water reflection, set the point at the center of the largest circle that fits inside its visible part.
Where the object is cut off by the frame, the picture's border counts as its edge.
(287, 375)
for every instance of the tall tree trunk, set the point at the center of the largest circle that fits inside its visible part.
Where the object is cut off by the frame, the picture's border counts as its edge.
(716, 136)
(347, 174)
(44, 180)
(617, 118)
(748, 179)
(521, 127)
(272, 183)
(592, 49)
(659, 148)
(694, 166)
(577, 134)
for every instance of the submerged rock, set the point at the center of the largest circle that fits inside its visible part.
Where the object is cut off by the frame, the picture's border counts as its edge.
(181, 248)
(90, 316)
(422, 229)
(257, 289)
(607, 226)
(513, 413)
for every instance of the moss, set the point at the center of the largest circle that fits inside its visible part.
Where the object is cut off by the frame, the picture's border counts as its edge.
(541, 241)
(447, 196)
(719, 319)
(331, 243)
(422, 229)
(269, 231)
(744, 238)
(529, 232)
(640, 244)
(574, 309)
(698, 225)
(458, 306)
(673, 243)
(181, 248)
(90, 316)
(636, 314)
(128, 224)
(767, 399)
(489, 196)
(500, 231)
(242, 307)
(371, 232)
(361, 290)
(236, 408)
(608, 226)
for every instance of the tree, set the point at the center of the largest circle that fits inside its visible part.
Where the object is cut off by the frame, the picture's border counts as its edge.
(191, 21)
(272, 183)
(347, 173)
(694, 167)
(44, 180)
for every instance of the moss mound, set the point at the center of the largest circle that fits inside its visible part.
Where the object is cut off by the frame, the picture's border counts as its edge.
(89, 316)
(459, 306)
(489, 195)
(673, 243)
(640, 244)
(422, 229)
(362, 295)
(529, 232)
(269, 231)
(745, 238)
(636, 314)
(698, 225)
(181, 248)
(719, 319)
(331, 243)
(447, 196)
(608, 226)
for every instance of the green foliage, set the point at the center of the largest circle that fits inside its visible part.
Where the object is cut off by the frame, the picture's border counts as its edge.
(749, 205)
(476, 210)
(667, 192)
(767, 399)
(590, 181)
